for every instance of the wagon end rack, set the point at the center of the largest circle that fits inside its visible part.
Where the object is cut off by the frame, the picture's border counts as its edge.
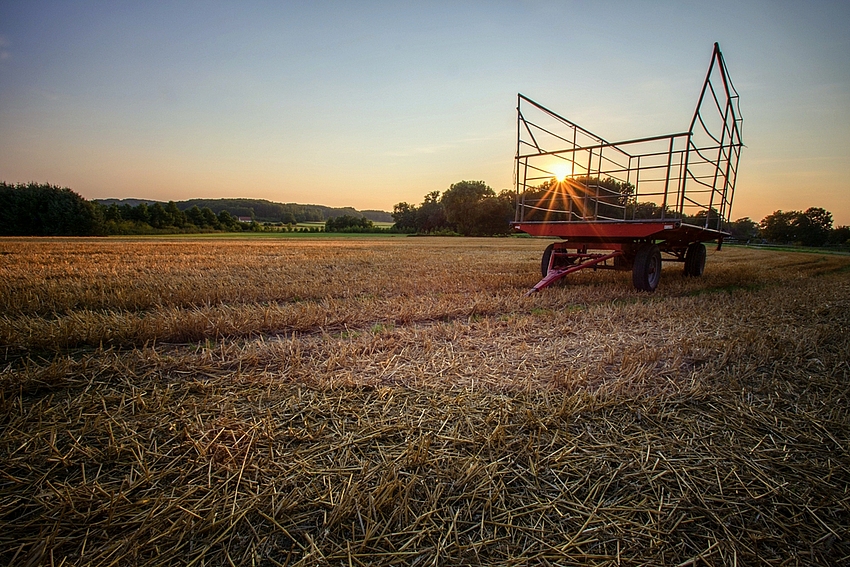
(622, 205)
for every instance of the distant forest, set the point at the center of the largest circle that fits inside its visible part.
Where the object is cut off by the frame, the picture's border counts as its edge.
(46, 210)
(261, 210)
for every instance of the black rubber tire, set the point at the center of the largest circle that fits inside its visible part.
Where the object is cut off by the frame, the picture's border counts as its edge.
(695, 260)
(646, 272)
(544, 262)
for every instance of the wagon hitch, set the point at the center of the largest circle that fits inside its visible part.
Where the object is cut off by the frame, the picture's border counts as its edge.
(577, 261)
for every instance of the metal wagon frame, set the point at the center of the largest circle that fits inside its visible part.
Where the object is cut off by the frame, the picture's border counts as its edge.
(620, 205)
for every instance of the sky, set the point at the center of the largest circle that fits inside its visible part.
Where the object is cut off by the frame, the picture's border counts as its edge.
(370, 103)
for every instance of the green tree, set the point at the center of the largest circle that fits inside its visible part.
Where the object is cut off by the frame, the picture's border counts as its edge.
(643, 210)
(176, 216)
(493, 215)
(779, 226)
(126, 211)
(404, 215)
(141, 213)
(708, 219)
(45, 210)
(112, 213)
(194, 216)
(348, 223)
(469, 207)
(228, 221)
(460, 202)
(839, 236)
(812, 226)
(209, 218)
(157, 216)
(431, 214)
(743, 229)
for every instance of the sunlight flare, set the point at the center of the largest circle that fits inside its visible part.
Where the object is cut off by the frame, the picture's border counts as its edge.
(561, 171)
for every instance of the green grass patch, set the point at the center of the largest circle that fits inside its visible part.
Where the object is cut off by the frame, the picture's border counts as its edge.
(805, 249)
(259, 236)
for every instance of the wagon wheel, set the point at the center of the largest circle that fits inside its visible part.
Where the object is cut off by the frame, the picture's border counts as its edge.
(695, 260)
(646, 272)
(544, 262)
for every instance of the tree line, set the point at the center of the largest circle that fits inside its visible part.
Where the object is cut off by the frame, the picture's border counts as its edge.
(352, 223)
(469, 208)
(168, 218)
(34, 209)
(263, 210)
(812, 227)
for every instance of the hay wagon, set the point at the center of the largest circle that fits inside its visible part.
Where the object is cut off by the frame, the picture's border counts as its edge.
(629, 205)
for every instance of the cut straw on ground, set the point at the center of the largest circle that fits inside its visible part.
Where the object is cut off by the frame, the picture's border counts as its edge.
(445, 420)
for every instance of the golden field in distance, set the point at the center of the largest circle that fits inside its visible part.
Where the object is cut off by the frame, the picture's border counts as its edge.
(399, 401)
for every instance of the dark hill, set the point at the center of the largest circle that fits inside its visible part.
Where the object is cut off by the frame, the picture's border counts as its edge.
(263, 210)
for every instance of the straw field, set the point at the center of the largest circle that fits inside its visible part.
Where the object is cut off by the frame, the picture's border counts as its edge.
(399, 401)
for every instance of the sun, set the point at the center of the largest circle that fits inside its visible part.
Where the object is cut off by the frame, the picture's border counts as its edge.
(561, 171)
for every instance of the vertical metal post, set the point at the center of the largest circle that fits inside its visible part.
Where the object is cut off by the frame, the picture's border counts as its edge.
(524, 177)
(667, 178)
(586, 180)
(681, 175)
(573, 160)
(519, 213)
(637, 190)
(688, 145)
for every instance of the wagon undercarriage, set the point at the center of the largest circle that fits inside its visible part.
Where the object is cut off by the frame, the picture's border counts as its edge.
(639, 247)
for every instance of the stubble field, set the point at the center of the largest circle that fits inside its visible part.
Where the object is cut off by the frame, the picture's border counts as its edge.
(399, 401)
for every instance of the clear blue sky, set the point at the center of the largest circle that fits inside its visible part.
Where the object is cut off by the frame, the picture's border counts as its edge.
(371, 103)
